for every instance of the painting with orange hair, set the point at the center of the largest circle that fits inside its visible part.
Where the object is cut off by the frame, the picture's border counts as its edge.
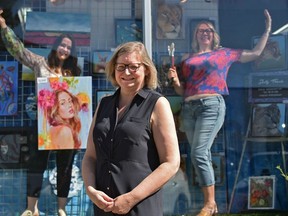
(64, 108)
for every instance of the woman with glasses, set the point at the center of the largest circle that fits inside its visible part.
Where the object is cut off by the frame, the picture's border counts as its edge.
(202, 84)
(132, 148)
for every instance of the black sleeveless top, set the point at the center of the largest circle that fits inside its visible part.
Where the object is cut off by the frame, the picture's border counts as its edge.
(126, 152)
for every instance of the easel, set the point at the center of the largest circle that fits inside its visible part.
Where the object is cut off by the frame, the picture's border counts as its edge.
(248, 138)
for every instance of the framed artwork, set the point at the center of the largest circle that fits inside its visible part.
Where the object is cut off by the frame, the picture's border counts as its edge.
(45, 27)
(64, 112)
(100, 58)
(164, 64)
(14, 146)
(102, 93)
(175, 104)
(268, 120)
(170, 21)
(268, 87)
(8, 88)
(128, 30)
(274, 55)
(219, 170)
(261, 192)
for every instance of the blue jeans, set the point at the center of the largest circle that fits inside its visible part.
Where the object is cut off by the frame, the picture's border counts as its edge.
(202, 119)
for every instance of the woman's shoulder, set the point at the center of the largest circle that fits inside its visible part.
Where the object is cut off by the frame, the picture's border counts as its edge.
(60, 130)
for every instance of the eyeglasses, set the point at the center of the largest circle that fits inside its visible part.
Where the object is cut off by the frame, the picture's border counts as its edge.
(207, 31)
(131, 67)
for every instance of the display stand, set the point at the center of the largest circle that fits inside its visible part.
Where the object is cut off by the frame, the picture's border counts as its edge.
(247, 138)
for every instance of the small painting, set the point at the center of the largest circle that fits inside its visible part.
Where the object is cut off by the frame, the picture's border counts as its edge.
(273, 56)
(100, 59)
(261, 194)
(8, 88)
(170, 21)
(268, 120)
(64, 112)
(128, 30)
(45, 27)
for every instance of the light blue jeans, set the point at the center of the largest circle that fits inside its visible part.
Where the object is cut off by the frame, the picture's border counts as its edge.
(202, 119)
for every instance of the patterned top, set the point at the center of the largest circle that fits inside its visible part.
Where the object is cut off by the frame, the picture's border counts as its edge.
(16, 48)
(206, 73)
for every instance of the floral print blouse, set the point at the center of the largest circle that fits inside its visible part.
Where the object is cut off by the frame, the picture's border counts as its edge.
(206, 73)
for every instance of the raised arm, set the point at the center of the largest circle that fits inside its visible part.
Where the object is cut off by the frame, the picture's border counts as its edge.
(250, 55)
(15, 46)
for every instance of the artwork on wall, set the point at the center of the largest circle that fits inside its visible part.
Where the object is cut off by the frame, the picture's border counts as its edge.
(62, 98)
(45, 27)
(170, 21)
(14, 146)
(100, 58)
(8, 88)
(261, 192)
(28, 74)
(268, 120)
(128, 30)
(274, 54)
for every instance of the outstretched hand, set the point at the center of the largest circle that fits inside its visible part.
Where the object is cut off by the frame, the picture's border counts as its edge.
(2, 20)
(268, 21)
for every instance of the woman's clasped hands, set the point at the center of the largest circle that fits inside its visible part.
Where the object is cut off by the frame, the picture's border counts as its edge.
(120, 205)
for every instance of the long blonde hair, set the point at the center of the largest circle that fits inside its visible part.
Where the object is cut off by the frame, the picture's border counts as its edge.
(216, 37)
(151, 80)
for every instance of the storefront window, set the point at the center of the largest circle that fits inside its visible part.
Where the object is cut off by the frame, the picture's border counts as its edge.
(247, 149)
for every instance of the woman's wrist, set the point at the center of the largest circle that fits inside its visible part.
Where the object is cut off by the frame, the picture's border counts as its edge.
(176, 82)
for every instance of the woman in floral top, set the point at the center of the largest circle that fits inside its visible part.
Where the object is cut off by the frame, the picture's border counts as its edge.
(204, 82)
(62, 61)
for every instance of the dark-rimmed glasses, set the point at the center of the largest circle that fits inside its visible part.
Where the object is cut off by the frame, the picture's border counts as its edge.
(131, 67)
(207, 31)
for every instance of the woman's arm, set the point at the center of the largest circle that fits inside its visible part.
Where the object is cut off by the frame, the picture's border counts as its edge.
(250, 55)
(178, 86)
(15, 47)
(166, 141)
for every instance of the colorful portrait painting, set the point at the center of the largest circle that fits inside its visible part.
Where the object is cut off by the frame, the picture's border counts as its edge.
(8, 88)
(64, 112)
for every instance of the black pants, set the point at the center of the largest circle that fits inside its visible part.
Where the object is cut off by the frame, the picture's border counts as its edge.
(38, 164)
